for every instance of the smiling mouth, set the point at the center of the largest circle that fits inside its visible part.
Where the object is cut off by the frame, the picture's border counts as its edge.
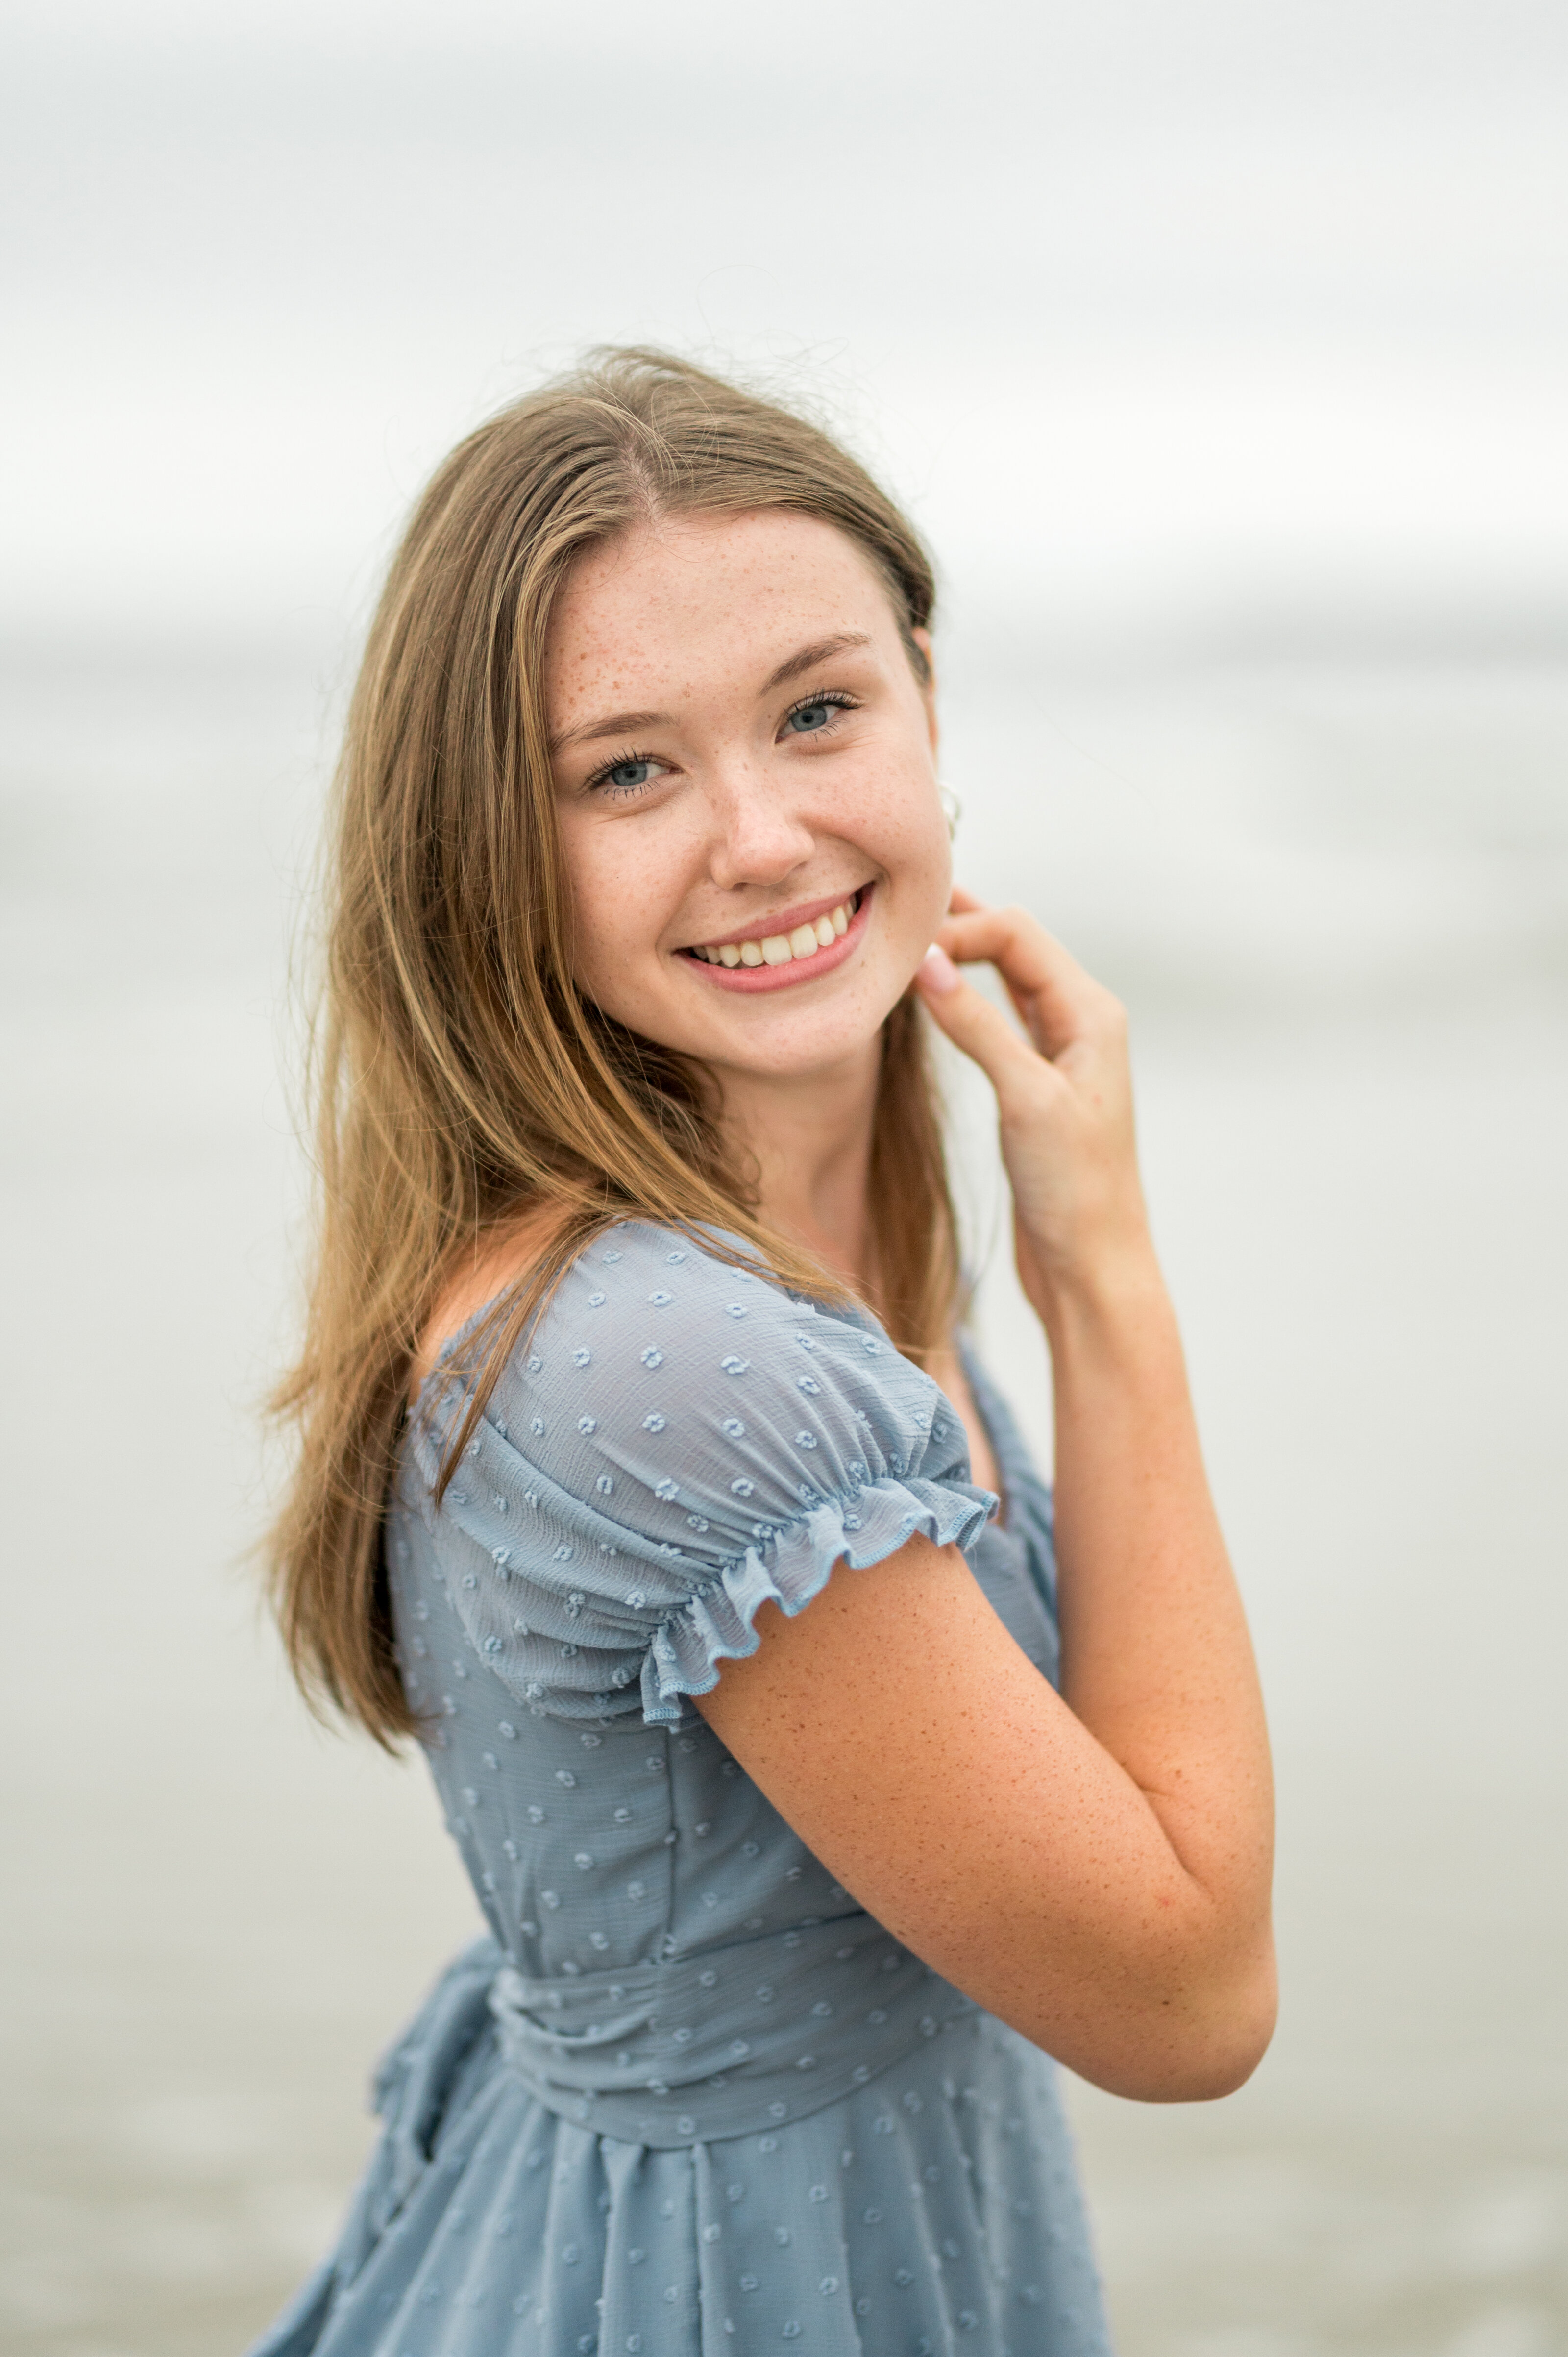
(804, 941)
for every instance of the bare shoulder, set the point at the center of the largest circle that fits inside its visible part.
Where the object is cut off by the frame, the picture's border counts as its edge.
(490, 1267)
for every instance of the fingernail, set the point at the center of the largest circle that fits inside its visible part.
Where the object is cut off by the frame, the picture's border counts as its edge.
(937, 971)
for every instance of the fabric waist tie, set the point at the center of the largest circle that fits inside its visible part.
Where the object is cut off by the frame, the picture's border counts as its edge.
(727, 2042)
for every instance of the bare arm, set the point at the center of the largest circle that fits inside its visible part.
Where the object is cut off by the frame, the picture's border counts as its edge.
(1094, 1868)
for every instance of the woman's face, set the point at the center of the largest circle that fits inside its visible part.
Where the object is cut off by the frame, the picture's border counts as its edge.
(744, 779)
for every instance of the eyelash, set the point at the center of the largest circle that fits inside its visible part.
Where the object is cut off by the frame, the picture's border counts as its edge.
(829, 696)
(630, 755)
(621, 760)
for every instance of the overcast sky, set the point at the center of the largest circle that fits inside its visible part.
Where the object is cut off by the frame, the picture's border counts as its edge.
(1143, 304)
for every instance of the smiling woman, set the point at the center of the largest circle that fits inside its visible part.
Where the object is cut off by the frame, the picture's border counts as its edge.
(754, 780)
(645, 1477)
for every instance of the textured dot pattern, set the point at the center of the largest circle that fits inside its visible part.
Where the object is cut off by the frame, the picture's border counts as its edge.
(630, 1498)
(686, 2096)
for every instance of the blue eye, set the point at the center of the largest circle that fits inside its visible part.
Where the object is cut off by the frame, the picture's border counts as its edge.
(625, 779)
(818, 714)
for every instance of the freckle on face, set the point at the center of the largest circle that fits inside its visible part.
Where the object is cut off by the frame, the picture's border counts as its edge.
(686, 622)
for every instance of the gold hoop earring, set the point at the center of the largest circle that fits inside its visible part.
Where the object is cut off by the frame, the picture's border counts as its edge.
(953, 809)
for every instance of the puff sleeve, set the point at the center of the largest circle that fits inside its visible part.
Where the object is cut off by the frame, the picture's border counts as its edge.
(677, 1442)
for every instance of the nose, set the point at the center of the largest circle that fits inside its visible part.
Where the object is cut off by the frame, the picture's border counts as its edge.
(758, 837)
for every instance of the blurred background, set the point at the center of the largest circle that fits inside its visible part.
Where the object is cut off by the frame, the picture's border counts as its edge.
(1221, 350)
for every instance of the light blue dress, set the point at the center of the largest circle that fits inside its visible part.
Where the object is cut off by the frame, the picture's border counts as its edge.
(687, 2099)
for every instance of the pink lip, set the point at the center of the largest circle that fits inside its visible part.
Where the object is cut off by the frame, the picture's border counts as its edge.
(752, 978)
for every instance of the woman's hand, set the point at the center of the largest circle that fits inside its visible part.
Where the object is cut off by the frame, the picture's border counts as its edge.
(1095, 1868)
(1157, 1663)
(1064, 1096)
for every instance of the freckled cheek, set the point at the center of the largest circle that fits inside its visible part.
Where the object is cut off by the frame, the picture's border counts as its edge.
(901, 827)
(893, 812)
(598, 942)
(618, 915)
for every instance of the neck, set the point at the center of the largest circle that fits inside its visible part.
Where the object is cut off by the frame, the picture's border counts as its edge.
(809, 1140)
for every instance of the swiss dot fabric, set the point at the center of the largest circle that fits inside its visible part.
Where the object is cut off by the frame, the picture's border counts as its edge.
(686, 2096)
(680, 1443)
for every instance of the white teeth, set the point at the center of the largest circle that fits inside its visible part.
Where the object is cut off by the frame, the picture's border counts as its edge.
(779, 949)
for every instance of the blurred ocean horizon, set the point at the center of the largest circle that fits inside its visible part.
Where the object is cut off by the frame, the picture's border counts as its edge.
(1222, 355)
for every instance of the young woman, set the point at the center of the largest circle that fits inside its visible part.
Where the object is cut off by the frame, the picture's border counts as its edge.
(646, 1478)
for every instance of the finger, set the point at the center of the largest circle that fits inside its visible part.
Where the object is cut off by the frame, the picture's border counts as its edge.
(1053, 995)
(981, 1029)
(1011, 939)
(962, 903)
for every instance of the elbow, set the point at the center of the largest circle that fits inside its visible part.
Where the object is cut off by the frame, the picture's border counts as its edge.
(1214, 2065)
(1209, 2046)
(1191, 2045)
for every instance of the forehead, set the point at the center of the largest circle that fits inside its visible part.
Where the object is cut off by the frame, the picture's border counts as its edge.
(698, 600)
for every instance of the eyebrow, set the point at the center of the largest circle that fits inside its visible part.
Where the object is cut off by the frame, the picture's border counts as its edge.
(809, 657)
(623, 724)
(619, 724)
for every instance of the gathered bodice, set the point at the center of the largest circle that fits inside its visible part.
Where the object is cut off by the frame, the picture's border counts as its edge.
(640, 1885)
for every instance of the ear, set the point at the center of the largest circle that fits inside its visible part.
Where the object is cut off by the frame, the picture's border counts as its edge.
(928, 688)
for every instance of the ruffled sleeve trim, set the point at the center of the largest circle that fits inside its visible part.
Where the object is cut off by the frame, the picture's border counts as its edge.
(789, 1567)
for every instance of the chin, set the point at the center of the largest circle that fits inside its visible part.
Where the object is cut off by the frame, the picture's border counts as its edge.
(790, 1041)
(779, 1047)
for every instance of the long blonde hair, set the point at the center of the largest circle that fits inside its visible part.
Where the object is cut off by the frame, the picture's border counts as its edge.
(461, 1079)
